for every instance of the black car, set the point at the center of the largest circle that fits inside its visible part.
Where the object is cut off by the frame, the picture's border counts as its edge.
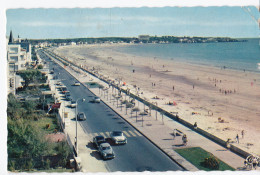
(98, 140)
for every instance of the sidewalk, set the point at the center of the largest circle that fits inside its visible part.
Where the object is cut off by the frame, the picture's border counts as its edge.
(159, 131)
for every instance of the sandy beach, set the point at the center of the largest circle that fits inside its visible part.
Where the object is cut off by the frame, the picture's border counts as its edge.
(223, 102)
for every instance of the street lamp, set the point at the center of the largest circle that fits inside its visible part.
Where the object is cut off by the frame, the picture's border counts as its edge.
(76, 141)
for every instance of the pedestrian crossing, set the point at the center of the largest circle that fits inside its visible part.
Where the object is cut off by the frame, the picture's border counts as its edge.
(127, 133)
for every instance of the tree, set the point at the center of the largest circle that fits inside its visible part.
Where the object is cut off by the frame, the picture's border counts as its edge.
(136, 109)
(30, 76)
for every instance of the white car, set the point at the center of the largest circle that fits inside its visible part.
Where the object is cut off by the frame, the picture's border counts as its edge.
(73, 104)
(118, 137)
(76, 84)
(96, 100)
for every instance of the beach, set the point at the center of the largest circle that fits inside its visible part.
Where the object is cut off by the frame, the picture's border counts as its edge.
(223, 102)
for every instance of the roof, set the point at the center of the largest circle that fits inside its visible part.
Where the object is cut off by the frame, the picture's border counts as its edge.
(104, 144)
(100, 137)
(24, 45)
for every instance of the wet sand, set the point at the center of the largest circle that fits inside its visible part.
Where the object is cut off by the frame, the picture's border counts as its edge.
(223, 102)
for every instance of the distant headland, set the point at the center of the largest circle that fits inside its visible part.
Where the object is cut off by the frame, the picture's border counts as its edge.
(140, 39)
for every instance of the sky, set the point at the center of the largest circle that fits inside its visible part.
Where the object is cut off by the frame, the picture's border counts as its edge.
(44, 23)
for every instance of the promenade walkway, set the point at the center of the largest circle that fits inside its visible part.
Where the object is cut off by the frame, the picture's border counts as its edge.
(159, 131)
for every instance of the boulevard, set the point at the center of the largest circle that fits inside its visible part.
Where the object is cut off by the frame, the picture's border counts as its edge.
(138, 154)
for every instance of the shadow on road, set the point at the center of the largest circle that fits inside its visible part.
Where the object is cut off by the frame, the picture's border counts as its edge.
(91, 146)
(96, 155)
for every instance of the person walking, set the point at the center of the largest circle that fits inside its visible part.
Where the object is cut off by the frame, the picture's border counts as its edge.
(237, 138)
(173, 88)
(242, 133)
(184, 139)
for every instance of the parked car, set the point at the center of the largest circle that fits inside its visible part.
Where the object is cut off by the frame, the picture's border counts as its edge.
(67, 93)
(73, 104)
(106, 151)
(118, 137)
(96, 99)
(81, 116)
(76, 84)
(68, 97)
(98, 140)
(64, 89)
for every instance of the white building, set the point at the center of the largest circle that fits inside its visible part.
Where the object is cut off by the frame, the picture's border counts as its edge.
(18, 57)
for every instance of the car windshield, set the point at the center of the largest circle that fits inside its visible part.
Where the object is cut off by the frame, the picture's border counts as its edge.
(106, 148)
(117, 133)
(96, 97)
(73, 102)
(100, 139)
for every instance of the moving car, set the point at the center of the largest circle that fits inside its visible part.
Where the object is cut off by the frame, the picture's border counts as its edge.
(98, 140)
(81, 116)
(96, 99)
(118, 137)
(106, 151)
(76, 84)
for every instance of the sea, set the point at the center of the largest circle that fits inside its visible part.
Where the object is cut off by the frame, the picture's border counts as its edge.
(243, 56)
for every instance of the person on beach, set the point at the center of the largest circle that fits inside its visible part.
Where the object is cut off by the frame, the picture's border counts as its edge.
(242, 133)
(193, 86)
(173, 88)
(237, 138)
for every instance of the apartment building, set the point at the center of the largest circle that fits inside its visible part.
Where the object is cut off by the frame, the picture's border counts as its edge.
(18, 58)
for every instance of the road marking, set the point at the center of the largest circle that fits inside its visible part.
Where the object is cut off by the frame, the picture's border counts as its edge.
(107, 134)
(137, 133)
(95, 134)
(126, 134)
(133, 134)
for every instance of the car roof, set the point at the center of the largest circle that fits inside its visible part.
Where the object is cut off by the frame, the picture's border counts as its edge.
(104, 144)
(100, 137)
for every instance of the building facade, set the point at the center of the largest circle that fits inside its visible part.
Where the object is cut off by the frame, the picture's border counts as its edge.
(18, 58)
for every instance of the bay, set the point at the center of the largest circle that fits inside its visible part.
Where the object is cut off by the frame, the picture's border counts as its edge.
(232, 55)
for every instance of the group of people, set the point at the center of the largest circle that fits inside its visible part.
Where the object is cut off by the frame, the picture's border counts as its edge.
(251, 162)
(224, 91)
(184, 137)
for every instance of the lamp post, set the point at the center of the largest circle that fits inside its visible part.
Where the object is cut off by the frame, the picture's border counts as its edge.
(76, 141)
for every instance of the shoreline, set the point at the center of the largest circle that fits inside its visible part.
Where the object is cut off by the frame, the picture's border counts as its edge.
(178, 60)
(201, 100)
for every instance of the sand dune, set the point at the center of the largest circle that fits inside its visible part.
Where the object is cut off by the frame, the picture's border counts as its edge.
(233, 97)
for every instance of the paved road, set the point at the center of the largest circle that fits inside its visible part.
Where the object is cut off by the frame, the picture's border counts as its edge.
(137, 155)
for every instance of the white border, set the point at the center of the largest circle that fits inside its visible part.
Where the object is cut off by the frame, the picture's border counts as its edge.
(11, 4)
